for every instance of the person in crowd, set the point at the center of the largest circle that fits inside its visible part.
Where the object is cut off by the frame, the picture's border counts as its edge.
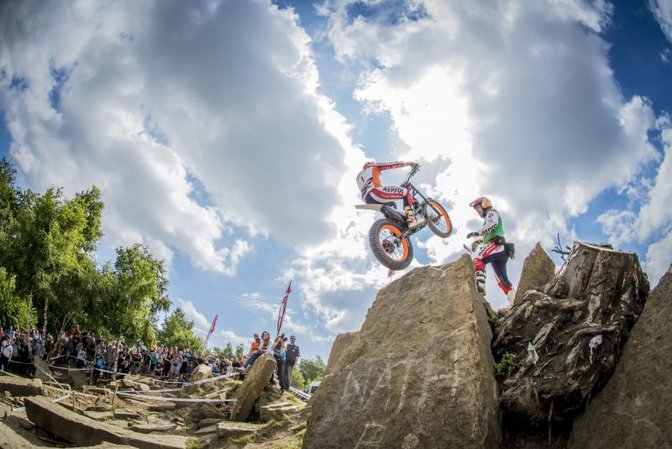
(264, 346)
(176, 365)
(6, 352)
(492, 249)
(98, 366)
(235, 363)
(254, 347)
(278, 349)
(373, 192)
(167, 363)
(81, 357)
(292, 354)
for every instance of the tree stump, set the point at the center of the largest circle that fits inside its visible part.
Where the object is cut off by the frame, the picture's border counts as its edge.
(566, 342)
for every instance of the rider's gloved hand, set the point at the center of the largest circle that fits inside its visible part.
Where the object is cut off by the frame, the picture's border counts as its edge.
(472, 234)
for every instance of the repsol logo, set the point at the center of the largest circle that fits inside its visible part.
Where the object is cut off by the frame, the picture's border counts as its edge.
(393, 190)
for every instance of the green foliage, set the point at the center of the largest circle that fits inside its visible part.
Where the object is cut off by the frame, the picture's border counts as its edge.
(13, 309)
(506, 364)
(240, 351)
(312, 370)
(297, 380)
(178, 331)
(51, 278)
(137, 287)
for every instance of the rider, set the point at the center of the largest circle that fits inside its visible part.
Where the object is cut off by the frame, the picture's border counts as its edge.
(492, 251)
(373, 192)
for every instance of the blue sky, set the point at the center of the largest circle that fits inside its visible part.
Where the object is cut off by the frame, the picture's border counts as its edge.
(226, 135)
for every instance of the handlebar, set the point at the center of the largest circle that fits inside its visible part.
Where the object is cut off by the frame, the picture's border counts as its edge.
(414, 170)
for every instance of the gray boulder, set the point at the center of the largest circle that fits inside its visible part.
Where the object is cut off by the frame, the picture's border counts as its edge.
(538, 270)
(255, 381)
(419, 373)
(633, 410)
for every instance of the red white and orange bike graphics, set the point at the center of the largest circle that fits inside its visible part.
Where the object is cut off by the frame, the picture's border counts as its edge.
(389, 237)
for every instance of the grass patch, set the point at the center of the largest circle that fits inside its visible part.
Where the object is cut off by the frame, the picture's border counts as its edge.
(506, 364)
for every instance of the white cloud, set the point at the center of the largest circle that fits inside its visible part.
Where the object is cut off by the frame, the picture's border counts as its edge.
(190, 311)
(490, 108)
(235, 339)
(658, 258)
(662, 10)
(189, 122)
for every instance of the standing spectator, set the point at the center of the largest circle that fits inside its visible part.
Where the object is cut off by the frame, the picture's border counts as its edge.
(81, 357)
(98, 366)
(167, 363)
(292, 354)
(7, 352)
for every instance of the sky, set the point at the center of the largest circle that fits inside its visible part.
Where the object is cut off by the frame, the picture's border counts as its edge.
(226, 135)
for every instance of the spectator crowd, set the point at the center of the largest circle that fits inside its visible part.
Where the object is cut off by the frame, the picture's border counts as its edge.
(80, 349)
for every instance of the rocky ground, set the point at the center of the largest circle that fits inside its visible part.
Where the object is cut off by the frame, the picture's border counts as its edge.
(275, 421)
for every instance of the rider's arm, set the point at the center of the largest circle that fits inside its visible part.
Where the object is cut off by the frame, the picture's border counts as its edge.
(396, 164)
(490, 222)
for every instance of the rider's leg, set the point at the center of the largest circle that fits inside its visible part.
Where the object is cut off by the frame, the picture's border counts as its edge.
(384, 194)
(498, 262)
(479, 268)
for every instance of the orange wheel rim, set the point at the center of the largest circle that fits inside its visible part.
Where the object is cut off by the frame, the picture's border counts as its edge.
(396, 232)
(443, 214)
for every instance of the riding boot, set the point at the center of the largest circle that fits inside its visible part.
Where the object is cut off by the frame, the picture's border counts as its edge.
(480, 281)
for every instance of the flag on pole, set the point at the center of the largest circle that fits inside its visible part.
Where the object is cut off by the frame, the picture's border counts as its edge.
(212, 327)
(283, 307)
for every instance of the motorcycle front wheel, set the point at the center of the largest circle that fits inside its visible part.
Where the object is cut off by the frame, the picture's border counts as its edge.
(440, 222)
(387, 245)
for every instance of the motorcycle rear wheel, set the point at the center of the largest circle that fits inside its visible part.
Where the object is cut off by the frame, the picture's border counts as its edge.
(440, 223)
(386, 245)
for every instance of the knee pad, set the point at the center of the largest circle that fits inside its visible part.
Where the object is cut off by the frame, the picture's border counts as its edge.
(479, 265)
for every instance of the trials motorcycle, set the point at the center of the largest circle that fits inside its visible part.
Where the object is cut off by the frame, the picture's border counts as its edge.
(389, 237)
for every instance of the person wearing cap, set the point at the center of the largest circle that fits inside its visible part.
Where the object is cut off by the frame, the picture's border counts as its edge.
(292, 354)
(492, 249)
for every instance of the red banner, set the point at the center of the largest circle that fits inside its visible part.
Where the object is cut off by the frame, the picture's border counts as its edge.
(283, 307)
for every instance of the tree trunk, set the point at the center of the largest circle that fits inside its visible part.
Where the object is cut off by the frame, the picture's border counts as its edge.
(567, 341)
(46, 308)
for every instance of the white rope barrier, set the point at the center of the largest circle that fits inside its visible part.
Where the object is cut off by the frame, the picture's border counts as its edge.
(164, 399)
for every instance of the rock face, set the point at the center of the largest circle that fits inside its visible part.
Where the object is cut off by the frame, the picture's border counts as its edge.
(576, 333)
(633, 409)
(255, 381)
(418, 375)
(18, 386)
(538, 270)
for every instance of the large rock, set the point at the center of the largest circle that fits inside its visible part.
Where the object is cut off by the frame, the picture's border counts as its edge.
(19, 386)
(538, 270)
(255, 381)
(85, 431)
(633, 410)
(418, 375)
(9, 439)
(201, 372)
(566, 344)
